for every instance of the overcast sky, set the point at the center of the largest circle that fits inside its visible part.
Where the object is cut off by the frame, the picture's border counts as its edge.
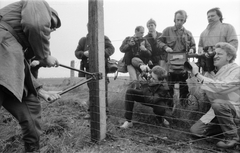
(120, 19)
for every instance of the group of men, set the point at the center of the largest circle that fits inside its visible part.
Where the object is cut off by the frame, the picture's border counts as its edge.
(25, 28)
(139, 58)
(149, 54)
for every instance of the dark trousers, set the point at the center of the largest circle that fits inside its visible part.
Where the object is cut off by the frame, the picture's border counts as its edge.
(135, 95)
(223, 122)
(27, 112)
(181, 79)
(34, 71)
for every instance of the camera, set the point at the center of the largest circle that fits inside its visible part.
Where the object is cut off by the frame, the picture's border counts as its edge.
(205, 61)
(145, 75)
(132, 40)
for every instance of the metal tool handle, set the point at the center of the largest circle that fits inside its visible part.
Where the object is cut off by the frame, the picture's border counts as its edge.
(68, 67)
(73, 87)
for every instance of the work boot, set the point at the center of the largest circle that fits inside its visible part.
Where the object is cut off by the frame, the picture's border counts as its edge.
(31, 148)
(126, 125)
(227, 143)
(162, 121)
(165, 123)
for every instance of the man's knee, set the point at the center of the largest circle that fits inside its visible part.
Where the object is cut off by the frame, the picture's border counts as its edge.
(136, 62)
(33, 104)
(198, 128)
(220, 106)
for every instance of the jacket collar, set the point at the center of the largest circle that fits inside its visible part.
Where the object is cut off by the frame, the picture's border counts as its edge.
(175, 28)
(214, 24)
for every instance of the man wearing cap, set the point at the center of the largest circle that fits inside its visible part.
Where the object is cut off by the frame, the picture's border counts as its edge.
(25, 28)
(151, 37)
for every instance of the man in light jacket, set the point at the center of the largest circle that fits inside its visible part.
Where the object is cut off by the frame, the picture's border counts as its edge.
(222, 89)
(217, 31)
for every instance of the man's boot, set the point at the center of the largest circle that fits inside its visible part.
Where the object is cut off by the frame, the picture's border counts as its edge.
(228, 143)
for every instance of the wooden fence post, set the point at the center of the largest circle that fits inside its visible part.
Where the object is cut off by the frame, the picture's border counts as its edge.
(97, 65)
(73, 66)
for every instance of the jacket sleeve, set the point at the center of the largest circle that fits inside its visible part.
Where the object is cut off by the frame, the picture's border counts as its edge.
(148, 52)
(192, 42)
(229, 84)
(125, 47)
(80, 48)
(232, 37)
(200, 43)
(109, 48)
(154, 93)
(162, 39)
(36, 22)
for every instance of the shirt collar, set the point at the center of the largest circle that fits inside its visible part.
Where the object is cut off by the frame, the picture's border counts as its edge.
(175, 28)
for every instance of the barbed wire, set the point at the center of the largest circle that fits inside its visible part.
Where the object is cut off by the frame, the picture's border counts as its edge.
(174, 118)
(169, 142)
(196, 36)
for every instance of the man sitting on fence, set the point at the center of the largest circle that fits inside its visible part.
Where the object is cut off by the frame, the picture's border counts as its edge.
(153, 93)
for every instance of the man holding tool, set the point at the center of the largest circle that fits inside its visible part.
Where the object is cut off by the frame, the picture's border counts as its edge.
(25, 28)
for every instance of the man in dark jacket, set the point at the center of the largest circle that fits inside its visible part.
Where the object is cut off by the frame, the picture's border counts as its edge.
(82, 52)
(156, 58)
(136, 48)
(24, 34)
(154, 93)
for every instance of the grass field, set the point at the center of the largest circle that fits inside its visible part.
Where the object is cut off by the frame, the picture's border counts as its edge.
(65, 130)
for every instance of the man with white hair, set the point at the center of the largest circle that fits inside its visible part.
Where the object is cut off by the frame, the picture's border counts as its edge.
(222, 89)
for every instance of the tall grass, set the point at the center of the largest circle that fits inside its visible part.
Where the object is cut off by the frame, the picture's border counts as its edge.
(65, 130)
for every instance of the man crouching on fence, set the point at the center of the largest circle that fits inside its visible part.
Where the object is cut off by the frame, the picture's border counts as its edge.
(153, 93)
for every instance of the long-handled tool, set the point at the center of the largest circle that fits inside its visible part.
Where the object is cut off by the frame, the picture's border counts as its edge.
(71, 68)
(75, 86)
(94, 76)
